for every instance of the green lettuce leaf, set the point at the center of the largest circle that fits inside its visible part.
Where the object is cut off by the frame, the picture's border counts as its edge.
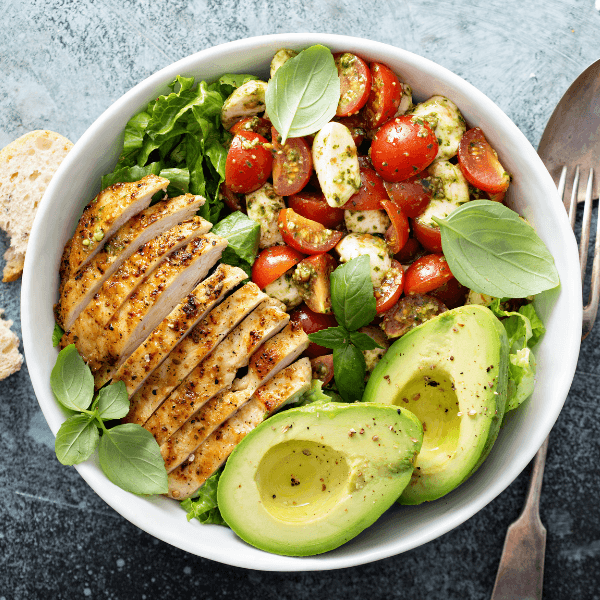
(205, 506)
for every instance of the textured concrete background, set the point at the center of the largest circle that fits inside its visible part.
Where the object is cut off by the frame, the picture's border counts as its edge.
(61, 64)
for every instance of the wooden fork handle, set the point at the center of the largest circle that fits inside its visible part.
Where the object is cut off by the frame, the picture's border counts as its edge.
(521, 570)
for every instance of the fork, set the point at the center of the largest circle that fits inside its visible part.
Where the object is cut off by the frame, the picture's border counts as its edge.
(521, 570)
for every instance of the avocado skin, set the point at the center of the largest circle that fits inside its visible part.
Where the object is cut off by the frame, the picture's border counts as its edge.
(478, 345)
(371, 449)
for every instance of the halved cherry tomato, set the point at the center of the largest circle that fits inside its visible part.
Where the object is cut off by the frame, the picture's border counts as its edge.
(410, 252)
(410, 312)
(452, 293)
(248, 164)
(403, 147)
(426, 273)
(356, 125)
(313, 205)
(312, 322)
(232, 200)
(412, 195)
(355, 83)
(384, 97)
(313, 276)
(397, 234)
(322, 368)
(292, 164)
(479, 163)
(370, 193)
(272, 263)
(429, 237)
(306, 235)
(390, 290)
(256, 124)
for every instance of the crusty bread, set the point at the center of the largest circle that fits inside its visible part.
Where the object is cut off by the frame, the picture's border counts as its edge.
(26, 168)
(10, 357)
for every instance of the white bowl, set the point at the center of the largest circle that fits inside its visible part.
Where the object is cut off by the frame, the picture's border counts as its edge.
(532, 194)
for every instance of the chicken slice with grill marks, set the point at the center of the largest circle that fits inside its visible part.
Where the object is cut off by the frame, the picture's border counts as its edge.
(217, 371)
(273, 356)
(286, 386)
(194, 348)
(121, 284)
(106, 213)
(154, 298)
(77, 291)
(176, 325)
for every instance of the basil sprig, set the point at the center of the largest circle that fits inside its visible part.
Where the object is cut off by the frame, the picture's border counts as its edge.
(491, 250)
(353, 304)
(128, 453)
(242, 235)
(304, 93)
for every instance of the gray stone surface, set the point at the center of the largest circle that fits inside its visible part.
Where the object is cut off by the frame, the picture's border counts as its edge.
(62, 63)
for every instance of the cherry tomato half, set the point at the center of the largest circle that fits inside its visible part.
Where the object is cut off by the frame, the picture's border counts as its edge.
(428, 236)
(390, 290)
(292, 164)
(397, 234)
(313, 274)
(452, 293)
(410, 252)
(312, 322)
(256, 124)
(272, 263)
(370, 193)
(313, 205)
(355, 83)
(412, 195)
(384, 97)
(479, 163)
(306, 235)
(426, 274)
(232, 200)
(248, 163)
(356, 125)
(403, 147)
(322, 368)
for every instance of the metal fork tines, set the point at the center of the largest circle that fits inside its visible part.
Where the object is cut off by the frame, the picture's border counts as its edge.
(591, 308)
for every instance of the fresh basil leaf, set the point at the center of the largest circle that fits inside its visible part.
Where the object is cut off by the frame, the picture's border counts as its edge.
(242, 235)
(131, 459)
(71, 380)
(76, 439)
(363, 341)
(205, 507)
(332, 337)
(349, 372)
(304, 93)
(113, 401)
(491, 250)
(352, 293)
(57, 334)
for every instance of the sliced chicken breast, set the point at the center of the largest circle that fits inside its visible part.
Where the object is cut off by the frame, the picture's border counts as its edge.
(286, 386)
(194, 348)
(106, 213)
(176, 325)
(155, 298)
(217, 371)
(77, 291)
(121, 284)
(273, 356)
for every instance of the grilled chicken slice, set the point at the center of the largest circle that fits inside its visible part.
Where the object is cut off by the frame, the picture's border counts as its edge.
(77, 291)
(154, 298)
(201, 341)
(217, 371)
(176, 325)
(273, 356)
(286, 386)
(121, 284)
(106, 213)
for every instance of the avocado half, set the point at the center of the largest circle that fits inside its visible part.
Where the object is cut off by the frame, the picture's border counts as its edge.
(452, 373)
(309, 479)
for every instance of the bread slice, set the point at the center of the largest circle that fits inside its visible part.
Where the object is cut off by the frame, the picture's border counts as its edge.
(10, 357)
(26, 168)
